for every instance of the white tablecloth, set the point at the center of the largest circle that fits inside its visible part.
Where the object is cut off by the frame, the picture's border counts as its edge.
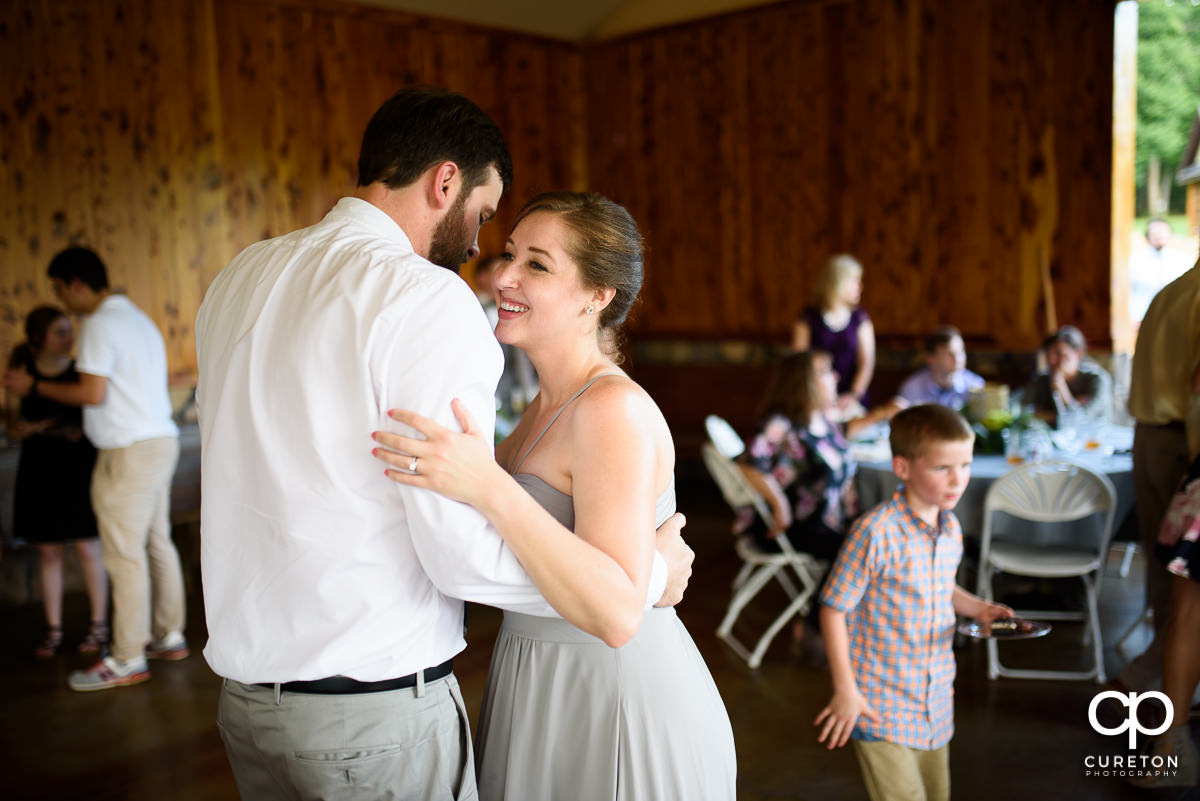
(876, 482)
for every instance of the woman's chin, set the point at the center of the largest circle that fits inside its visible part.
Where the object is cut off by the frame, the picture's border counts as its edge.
(506, 336)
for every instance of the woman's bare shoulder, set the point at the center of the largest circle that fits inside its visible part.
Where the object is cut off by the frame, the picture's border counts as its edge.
(618, 403)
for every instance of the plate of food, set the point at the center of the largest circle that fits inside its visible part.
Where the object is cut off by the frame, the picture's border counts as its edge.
(1004, 628)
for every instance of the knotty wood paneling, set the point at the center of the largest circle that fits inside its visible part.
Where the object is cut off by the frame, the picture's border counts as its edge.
(168, 136)
(946, 144)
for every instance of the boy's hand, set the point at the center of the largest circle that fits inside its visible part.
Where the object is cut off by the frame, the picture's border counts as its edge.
(841, 715)
(991, 611)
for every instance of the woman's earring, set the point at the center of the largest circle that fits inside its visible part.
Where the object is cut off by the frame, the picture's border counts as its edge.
(591, 309)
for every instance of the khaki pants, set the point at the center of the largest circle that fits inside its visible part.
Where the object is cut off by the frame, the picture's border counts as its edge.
(899, 773)
(131, 494)
(409, 745)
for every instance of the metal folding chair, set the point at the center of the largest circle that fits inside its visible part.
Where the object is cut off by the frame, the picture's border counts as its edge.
(1049, 492)
(796, 572)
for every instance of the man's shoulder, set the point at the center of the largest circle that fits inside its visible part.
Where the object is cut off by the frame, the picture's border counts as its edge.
(916, 386)
(116, 309)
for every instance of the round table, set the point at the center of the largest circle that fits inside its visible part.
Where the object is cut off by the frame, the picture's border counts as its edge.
(876, 482)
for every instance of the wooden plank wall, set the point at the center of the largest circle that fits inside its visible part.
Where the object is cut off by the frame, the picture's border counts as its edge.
(943, 142)
(947, 144)
(169, 135)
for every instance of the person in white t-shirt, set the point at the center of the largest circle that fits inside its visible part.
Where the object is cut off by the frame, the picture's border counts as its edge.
(1153, 267)
(333, 597)
(122, 388)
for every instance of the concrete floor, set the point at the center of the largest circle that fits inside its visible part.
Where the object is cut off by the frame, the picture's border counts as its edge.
(159, 740)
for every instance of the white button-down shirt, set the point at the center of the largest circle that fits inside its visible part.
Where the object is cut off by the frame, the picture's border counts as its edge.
(316, 564)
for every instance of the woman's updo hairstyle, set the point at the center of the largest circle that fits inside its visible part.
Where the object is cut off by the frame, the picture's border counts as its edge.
(605, 243)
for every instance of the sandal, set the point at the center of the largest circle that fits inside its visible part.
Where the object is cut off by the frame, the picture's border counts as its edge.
(51, 644)
(95, 640)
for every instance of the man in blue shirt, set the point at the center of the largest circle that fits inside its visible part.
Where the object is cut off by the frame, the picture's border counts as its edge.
(945, 378)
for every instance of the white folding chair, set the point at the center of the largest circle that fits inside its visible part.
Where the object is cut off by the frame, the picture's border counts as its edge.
(1049, 492)
(797, 573)
(721, 434)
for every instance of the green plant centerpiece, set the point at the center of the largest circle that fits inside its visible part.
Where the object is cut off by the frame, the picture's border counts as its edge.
(997, 426)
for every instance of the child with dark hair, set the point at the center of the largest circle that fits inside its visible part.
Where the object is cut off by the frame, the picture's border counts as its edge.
(888, 615)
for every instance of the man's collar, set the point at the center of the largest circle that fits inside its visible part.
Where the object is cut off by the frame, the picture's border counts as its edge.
(366, 213)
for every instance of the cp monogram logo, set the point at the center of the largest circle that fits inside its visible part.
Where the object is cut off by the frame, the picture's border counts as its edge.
(1132, 724)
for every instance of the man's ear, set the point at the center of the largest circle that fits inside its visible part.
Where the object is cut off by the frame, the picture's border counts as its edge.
(443, 184)
(900, 467)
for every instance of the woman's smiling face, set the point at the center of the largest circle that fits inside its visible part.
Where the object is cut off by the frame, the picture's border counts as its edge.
(539, 293)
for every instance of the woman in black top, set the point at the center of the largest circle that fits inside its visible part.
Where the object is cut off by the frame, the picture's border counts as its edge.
(52, 498)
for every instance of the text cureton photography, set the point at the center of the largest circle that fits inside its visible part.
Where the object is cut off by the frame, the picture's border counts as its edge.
(1131, 764)
(1126, 765)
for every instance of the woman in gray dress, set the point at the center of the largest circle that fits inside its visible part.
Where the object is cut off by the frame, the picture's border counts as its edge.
(614, 701)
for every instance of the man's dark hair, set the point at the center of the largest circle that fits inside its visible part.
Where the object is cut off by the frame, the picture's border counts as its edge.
(81, 263)
(941, 336)
(417, 128)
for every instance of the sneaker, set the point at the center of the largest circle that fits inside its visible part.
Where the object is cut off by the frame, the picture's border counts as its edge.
(170, 648)
(109, 672)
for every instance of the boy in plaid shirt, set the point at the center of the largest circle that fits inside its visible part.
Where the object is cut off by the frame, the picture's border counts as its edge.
(888, 615)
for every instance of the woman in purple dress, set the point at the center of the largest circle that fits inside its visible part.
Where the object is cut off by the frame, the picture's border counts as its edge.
(837, 325)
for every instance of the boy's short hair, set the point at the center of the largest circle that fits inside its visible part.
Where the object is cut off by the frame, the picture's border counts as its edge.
(941, 336)
(918, 426)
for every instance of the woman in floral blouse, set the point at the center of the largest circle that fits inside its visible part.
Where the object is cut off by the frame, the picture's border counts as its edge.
(799, 460)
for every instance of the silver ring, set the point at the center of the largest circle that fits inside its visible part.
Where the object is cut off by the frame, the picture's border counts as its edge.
(412, 466)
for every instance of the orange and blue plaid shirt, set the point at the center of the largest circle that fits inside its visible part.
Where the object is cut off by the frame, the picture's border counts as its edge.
(894, 579)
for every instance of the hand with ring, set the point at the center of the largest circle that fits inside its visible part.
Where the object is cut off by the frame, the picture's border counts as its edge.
(460, 466)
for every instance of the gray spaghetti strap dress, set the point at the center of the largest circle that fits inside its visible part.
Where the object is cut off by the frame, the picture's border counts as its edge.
(567, 717)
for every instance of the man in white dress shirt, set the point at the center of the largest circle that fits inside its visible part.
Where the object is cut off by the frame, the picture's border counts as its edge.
(332, 594)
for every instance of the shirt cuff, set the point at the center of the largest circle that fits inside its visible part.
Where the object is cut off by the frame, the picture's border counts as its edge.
(658, 580)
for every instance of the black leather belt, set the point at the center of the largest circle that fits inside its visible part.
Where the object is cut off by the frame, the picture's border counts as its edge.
(344, 685)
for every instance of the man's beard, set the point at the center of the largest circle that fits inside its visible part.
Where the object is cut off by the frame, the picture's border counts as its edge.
(450, 248)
